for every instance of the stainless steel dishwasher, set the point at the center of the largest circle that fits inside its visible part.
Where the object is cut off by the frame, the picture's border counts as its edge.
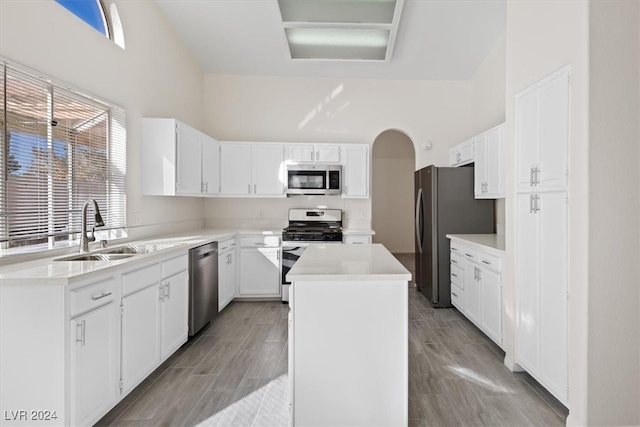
(203, 286)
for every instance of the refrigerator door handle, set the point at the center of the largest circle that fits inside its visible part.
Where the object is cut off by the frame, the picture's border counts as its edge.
(418, 210)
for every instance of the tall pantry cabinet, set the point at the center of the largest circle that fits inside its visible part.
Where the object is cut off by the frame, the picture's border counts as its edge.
(542, 233)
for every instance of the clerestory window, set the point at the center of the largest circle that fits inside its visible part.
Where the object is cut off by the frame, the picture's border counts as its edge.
(106, 20)
(58, 147)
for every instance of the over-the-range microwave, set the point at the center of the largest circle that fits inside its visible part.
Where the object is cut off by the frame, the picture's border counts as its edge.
(314, 179)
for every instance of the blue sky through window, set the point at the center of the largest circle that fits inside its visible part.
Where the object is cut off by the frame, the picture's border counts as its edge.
(90, 11)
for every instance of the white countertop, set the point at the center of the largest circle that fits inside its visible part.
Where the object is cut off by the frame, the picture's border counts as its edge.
(493, 242)
(347, 262)
(48, 271)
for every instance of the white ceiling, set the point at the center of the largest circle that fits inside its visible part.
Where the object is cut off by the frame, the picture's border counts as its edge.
(437, 39)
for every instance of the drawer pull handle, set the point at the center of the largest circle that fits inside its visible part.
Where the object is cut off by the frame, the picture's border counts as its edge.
(486, 262)
(454, 294)
(454, 249)
(260, 244)
(454, 274)
(102, 295)
(454, 261)
(469, 255)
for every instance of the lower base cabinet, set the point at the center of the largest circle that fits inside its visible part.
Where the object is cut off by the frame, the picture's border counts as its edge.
(94, 373)
(476, 288)
(260, 273)
(226, 272)
(174, 313)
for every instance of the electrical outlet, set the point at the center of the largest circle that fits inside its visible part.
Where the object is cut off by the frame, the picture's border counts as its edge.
(135, 219)
(260, 214)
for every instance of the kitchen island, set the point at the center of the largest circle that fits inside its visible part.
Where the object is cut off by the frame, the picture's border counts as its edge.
(348, 337)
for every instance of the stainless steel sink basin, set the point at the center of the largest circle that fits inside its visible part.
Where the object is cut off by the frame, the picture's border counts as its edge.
(95, 257)
(122, 250)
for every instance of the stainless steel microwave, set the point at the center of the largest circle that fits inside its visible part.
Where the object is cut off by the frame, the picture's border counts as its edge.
(314, 179)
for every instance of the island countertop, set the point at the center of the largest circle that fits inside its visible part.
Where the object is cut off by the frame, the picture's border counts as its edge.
(347, 262)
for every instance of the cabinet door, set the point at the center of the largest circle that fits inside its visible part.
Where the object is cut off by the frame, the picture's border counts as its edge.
(174, 313)
(481, 166)
(93, 363)
(491, 305)
(494, 161)
(268, 170)
(472, 299)
(355, 171)
(553, 252)
(527, 136)
(223, 264)
(453, 156)
(260, 272)
(527, 279)
(554, 133)
(235, 169)
(188, 179)
(210, 165)
(301, 152)
(231, 276)
(140, 335)
(327, 153)
(467, 152)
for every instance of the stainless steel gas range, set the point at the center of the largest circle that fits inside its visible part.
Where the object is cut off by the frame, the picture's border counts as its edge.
(307, 226)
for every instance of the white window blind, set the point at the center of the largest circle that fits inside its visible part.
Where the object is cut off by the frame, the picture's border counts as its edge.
(58, 148)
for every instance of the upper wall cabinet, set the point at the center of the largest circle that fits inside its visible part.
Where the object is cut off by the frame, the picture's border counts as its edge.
(252, 170)
(542, 132)
(178, 160)
(489, 176)
(355, 171)
(321, 153)
(461, 154)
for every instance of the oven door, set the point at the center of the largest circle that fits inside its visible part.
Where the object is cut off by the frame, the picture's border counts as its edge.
(291, 251)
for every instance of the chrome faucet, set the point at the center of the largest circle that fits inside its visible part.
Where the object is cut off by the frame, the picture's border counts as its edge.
(84, 239)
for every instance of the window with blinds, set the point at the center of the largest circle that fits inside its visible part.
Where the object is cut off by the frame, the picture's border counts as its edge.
(58, 148)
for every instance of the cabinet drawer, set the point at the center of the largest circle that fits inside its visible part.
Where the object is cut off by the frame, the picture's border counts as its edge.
(491, 262)
(457, 259)
(357, 240)
(140, 279)
(90, 296)
(175, 265)
(470, 254)
(261, 241)
(457, 248)
(457, 297)
(226, 245)
(456, 276)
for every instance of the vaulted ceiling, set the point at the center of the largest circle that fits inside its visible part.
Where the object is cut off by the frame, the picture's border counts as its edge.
(436, 39)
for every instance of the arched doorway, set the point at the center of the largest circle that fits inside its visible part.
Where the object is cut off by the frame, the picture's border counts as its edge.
(393, 166)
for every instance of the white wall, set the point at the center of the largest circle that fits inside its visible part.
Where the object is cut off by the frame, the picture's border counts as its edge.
(614, 207)
(153, 76)
(542, 37)
(488, 100)
(287, 109)
(392, 192)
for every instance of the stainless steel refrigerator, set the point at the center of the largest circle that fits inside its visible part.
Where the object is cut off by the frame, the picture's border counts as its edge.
(445, 204)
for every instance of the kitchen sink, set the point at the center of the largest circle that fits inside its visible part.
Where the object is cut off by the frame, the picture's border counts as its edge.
(95, 257)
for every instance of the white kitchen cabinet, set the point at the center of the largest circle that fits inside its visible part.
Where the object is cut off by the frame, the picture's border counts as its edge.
(94, 355)
(355, 171)
(154, 316)
(542, 288)
(489, 171)
(252, 170)
(174, 312)
(542, 134)
(268, 170)
(321, 153)
(260, 272)
(140, 335)
(472, 292)
(476, 287)
(226, 272)
(356, 239)
(461, 154)
(177, 159)
(235, 169)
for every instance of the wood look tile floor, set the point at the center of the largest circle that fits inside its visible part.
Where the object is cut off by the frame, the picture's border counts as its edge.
(234, 373)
